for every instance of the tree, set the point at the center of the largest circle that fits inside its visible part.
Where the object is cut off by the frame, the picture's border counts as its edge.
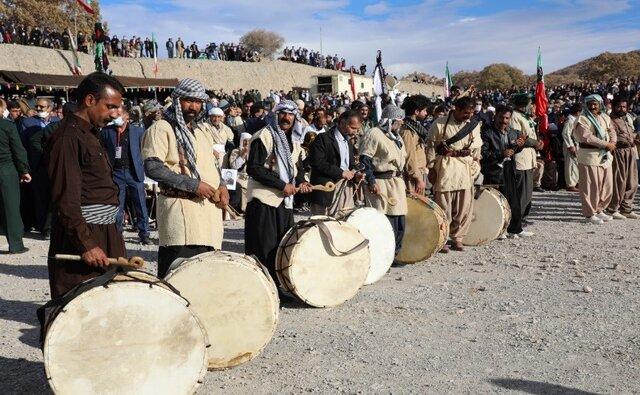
(263, 41)
(500, 76)
(53, 14)
(465, 79)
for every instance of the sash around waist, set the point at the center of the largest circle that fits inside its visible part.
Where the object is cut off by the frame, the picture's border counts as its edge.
(99, 214)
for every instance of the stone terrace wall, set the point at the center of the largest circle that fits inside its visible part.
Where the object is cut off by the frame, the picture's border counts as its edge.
(229, 76)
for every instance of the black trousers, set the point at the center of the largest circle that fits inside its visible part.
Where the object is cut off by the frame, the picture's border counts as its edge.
(264, 228)
(398, 225)
(168, 254)
(513, 190)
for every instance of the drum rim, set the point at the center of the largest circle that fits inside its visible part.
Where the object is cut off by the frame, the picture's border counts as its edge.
(443, 228)
(285, 241)
(247, 262)
(128, 283)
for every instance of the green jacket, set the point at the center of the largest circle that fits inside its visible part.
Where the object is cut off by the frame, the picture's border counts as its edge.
(11, 150)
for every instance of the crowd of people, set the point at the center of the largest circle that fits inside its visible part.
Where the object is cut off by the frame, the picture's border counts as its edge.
(12, 33)
(278, 143)
(317, 59)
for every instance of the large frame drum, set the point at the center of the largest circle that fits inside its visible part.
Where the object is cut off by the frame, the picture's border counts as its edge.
(322, 261)
(491, 217)
(376, 228)
(130, 335)
(426, 230)
(236, 300)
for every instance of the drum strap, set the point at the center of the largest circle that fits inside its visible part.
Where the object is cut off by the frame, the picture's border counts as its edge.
(478, 192)
(326, 232)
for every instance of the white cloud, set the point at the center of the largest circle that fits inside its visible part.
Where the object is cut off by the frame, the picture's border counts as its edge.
(377, 8)
(417, 37)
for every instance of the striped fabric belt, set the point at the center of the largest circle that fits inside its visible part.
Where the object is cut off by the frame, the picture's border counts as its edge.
(99, 214)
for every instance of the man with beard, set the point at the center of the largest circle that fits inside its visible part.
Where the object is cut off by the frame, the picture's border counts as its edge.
(177, 154)
(273, 167)
(625, 166)
(453, 155)
(499, 145)
(332, 159)
(415, 137)
(383, 155)
(570, 148)
(84, 196)
(525, 159)
(597, 140)
(222, 134)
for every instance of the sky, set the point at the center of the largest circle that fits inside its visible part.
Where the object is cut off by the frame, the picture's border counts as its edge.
(414, 35)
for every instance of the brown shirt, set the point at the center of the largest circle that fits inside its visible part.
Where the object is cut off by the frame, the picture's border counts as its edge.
(623, 127)
(80, 175)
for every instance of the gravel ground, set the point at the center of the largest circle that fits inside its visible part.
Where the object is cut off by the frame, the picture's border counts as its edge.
(555, 313)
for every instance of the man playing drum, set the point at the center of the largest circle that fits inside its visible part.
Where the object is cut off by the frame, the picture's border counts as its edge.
(273, 168)
(83, 193)
(177, 153)
(383, 156)
(332, 159)
(453, 155)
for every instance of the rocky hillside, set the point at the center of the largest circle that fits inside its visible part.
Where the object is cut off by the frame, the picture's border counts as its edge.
(605, 66)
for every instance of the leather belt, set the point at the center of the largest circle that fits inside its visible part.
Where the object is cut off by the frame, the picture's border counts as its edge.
(387, 175)
(177, 193)
(588, 146)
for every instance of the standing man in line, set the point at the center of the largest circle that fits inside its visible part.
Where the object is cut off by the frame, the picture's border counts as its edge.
(453, 156)
(570, 148)
(597, 141)
(274, 168)
(526, 159)
(177, 152)
(170, 48)
(415, 138)
(383, 155)
(14, 169)
(625, 166)
(332, 158)
(84, 196)
(123, 142)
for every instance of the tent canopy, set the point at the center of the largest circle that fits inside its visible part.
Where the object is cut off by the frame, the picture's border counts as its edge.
(72, 81)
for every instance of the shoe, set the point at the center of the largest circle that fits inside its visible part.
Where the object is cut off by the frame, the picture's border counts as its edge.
(572, 189)
(631, 215)
(525, 234)
(398, 264)
(22, 251)
(46, 235)
(445, 249)
(145, 240)
(595, 220)
(457, 246)
(617, 215)
(538, 189)
(604, 217)
(513, 235)
(502, 236)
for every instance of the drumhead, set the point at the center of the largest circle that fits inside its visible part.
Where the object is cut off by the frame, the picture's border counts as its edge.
(376, 228)
(235, 300)
(489, 217)
(318, 274)
(127, 338)
(426, 230)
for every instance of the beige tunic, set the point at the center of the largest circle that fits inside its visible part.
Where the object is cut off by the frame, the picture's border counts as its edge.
(222, 134)
(416, 166)
(453, 173)
(585, 132)
(236, 161)
(525, 159)
(270, 196)
(386, 157)
(183, 221)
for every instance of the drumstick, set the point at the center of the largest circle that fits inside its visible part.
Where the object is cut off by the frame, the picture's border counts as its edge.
(328, 187)
(135, 262)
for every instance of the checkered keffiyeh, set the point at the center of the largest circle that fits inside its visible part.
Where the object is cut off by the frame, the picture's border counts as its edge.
(187, 89)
